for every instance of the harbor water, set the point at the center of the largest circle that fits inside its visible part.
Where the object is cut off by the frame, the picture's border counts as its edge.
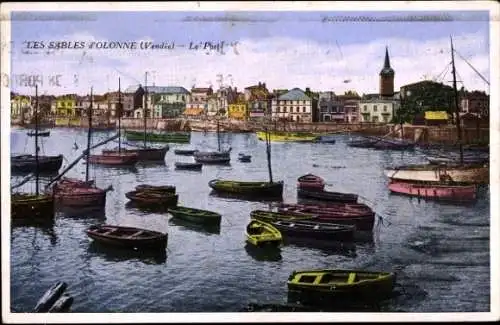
(440, 252)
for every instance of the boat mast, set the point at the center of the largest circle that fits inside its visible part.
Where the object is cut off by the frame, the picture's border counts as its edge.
(218, 133)
(119, 116)
(145, 105)
(268, 151)
(89, 134)
(457, 109)
(36, 141)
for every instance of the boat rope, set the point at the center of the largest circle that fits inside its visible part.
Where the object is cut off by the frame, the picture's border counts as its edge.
(24, 181)
(470, 65)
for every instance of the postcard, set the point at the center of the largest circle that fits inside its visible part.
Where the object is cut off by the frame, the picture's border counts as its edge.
(250, 161)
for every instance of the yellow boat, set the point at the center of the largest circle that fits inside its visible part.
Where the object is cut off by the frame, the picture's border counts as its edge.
(259, 233)
(287, 136)
(343, 283)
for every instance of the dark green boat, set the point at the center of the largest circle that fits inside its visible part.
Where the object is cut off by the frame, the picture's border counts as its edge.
(156, 188)
(269, 216)
(171, 137)
(195, 215)
(268, 189)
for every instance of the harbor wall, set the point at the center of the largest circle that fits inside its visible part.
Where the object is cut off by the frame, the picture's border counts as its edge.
(445, 134)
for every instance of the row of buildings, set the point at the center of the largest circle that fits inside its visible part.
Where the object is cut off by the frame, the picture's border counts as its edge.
(257, 102)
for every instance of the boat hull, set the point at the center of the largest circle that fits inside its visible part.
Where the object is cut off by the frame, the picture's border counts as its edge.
(327, 196)
(370, 286)
(216, 157)
(173, 137)
(152, 199)
(188, 166)
(27, 164)
(32, 207)
(311, 182)
(196, 215)
(144, 154)
(114, 159)
(124, 237)
(274, 189)
(314, 230)
(437, 192)
(286, 137)
(437, 173)
(81, 197)
(184, 152)
(259, 233)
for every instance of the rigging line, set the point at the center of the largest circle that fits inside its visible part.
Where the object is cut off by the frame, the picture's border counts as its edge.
(470, 65)
(445, 70)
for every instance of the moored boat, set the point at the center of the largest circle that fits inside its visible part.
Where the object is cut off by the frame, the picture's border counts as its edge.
(27, 206)
(311, 182)
(41, 133)
(274, 189)
(457, 173)
(269, 216)
(114, 159)
(188, 165)
(149, 198)
(80, 196)
(315, 230)
(66, 182)
(27, 163)
(262, 233)
(50, 297)
(143, 154)
(156, 188)
(195, 215)
(347, 284)
(130, 237)
(327, 196)
(384, 144)
(185, 152)
(278, 136)
(435, 191)
(362, 143)
(455, 159)
(171, 137)
(215, 157)
(244, 158)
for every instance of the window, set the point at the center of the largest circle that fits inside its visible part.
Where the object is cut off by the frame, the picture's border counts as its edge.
(374, 108)
(385, 108)
(365, 108)
(297, 109)
(303, 109)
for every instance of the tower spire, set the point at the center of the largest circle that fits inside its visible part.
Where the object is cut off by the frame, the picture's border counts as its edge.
(387, 63)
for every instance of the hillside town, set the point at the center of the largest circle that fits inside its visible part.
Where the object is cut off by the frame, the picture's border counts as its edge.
(423, 102)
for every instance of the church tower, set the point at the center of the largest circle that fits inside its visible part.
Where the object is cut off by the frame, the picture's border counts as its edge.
(387, 78)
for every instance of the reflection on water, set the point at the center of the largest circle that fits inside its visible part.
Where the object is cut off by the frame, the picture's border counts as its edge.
(264, 253)
(117, 254)
(333, 247)
(230, 197)
(83, 212)
(207, 229)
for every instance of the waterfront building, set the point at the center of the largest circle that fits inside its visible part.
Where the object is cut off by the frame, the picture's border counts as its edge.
(137, 101)
(377, 110)
(127, 100)
(20, 106)
(238, 111)
(330, 108)
(294, 105)
(258, 101)
(350, 100)
(66, 105)
(212, 105)
(475, 102)
(167, 102)
(226, 96)
(196, 104)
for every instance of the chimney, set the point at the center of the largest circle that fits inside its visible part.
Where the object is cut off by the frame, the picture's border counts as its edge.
(264, 85)
(308, 90)
(259, 84)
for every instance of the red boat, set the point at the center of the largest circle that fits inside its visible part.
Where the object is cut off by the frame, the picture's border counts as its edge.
(81, 196)
(114, 159)
(66, 182)
(311, 182)
(353, 208)
(438, 191)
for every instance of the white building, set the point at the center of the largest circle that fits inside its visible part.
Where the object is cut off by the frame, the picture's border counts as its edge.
(294, 105)
(378, 110)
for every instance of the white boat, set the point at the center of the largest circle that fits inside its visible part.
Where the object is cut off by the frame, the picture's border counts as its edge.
(470, 174)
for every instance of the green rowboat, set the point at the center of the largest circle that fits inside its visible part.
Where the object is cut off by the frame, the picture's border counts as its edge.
(353, 284)
(156, 188)
(195, 215)
(269, 216)
(260, 233)
(171, 137)
(274, 189)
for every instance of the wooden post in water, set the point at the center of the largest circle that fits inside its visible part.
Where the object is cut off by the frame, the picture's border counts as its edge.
(145, 106)
(36, 141)
(119, 117)
(268, 152)
(89, 134)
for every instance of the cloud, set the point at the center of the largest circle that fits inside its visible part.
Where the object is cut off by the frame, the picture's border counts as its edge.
(280, 62)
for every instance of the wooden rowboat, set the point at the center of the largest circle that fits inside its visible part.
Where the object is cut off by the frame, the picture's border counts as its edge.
(327, 195)
(148, 198)
(274, 189)
(343, 283)
(188, 166)
(66, 182)
(130, 237)
(80, 196)
(143, 154)
(244, 158)
(262, 233)
(195, 215)
(269, 216)
(27, 164)
(156, 188)
(114, 159)
(435, 191)
(32, 207)
(311, 182)
(315, 230)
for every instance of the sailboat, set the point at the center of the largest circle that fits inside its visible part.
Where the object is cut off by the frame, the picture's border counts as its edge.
(26, 163)
(146, 153)
(118, 158)
(214, 157)
(33, 206)
(452, 172)
(270, 189)
(71, 192)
